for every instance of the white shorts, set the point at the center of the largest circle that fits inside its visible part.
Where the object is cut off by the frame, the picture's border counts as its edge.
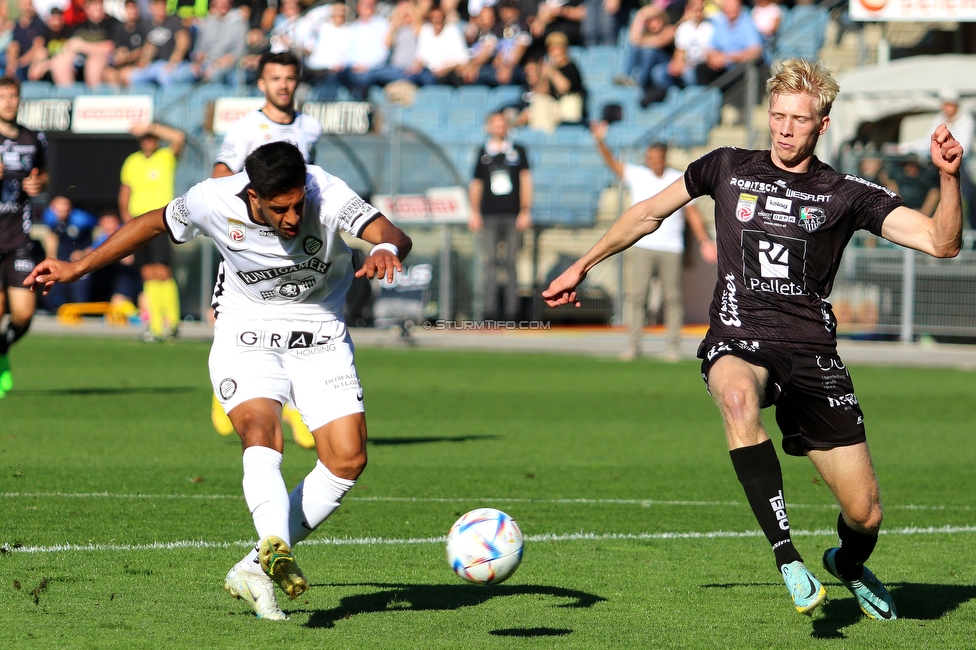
(308, 363)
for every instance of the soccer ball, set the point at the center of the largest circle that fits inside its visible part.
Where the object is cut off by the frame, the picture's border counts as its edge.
(484, 546)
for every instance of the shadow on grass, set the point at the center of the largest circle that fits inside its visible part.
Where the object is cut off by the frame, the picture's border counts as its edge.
(424, 439)
(128, 390)
(420, 598)
(526, 632)
(918, 602)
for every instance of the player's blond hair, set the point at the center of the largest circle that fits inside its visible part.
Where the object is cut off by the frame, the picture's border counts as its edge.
(798, 76)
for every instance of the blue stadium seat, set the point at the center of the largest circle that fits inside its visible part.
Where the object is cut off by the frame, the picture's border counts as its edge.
(70, 92)
(802, 33)
(439, 96)
(426, 120)
(529, 137)
(503, 96)
(561, 158)
(471, 97)
(465, 118)
(36, 90)
(569, 135)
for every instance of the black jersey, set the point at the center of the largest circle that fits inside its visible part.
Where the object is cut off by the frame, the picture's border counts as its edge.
(19, 156)
(780, 238)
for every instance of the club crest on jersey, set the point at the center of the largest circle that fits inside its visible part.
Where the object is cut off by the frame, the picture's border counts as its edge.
(227, 388)
(745, 209)
(812, 218)
(236, 230)
(311, 245)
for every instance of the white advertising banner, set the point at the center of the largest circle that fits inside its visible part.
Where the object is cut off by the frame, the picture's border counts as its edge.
(913, 10)
(439, 205)
(110, 113)
(228, 110)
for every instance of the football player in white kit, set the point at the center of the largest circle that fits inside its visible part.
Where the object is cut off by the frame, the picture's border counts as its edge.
(279, 336)
(276, 121)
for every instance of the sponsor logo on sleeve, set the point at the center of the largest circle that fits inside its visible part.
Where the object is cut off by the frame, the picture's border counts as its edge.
(812, 217)
(236, 230)
(179, 212)
(745, 209)
(354, 209)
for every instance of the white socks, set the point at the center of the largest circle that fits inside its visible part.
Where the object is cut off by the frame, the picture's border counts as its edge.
(275, 512)
(265, 492)
(314, 500)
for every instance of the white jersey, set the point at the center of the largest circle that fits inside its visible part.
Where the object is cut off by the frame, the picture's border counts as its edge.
(643, 184)
(256, 129)
(262, 275)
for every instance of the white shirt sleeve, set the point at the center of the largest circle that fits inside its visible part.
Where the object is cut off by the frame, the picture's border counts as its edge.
(342, 209)
(188, 215)
(236, 146)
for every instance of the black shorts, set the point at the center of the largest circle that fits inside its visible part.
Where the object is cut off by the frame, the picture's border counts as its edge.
(813, 393)
(157, 251)
(17, 264)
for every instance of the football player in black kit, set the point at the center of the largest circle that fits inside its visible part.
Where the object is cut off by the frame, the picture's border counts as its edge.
(22, 176)
(783, 218)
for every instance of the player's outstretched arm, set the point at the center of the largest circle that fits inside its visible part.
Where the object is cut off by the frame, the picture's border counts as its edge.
(940, 236)
(392, 247)
(123, 242)
(640, 219)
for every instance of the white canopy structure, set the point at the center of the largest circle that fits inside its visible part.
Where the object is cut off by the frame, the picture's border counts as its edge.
(909, 85)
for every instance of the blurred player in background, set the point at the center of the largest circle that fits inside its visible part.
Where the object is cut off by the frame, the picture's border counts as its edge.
(279, 335)
(277, 120)
(147, 182)
(22, 176)
(783, 219)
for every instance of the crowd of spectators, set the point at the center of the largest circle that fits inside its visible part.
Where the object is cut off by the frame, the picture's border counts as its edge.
(375, 43)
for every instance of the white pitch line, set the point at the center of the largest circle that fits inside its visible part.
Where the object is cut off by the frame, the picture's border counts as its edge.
(545, 537)
(645, 503)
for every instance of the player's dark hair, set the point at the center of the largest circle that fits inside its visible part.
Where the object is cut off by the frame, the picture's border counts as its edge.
(10, 82)
(275, 168)
(279, 58)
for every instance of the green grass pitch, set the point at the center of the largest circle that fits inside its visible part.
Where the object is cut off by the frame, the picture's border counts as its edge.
(121, 509)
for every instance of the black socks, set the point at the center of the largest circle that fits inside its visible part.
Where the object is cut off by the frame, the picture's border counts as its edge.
(759, 472)
(855, 549)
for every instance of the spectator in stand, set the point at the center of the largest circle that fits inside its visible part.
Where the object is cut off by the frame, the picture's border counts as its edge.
(55, 36)
(559, 16)
(602, 22)
(734, 41)
(191, 12)
(121, 281)
(650, 40)
(221, 42)
(513, 43)
(70, 238)
(559, 96)
(962, 126)
(481, 53)
(441, 52)
(129, 38)
(27, 45)
(368, 51)
(89, 46)
(767, 16)
(163, 58)
(290, 31)
(43, 8)
(259, 14)
(327, 58)
(692, 39)
(405, 22)
(917, 187)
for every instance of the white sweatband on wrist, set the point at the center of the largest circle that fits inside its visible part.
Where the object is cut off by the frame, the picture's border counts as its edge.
(386, 246)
